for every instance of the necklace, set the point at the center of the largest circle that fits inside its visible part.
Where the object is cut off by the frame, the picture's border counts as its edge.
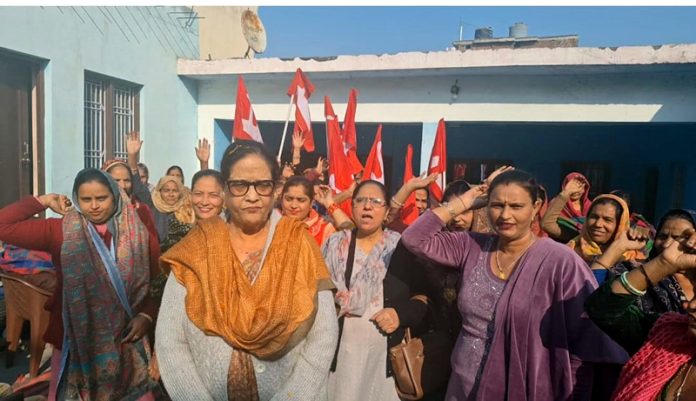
(501, 270)
(677, 397)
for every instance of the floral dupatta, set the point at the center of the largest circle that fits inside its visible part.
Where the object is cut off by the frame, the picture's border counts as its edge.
(366, 283)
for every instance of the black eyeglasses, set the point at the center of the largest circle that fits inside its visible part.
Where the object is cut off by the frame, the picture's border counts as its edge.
(241, 187)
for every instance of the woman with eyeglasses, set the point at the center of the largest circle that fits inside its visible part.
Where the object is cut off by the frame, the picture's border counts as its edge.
(374, 300)
(247, 313)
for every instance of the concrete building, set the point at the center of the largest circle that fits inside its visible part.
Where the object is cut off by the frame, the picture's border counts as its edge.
(518, 38)
(75, 80)
(623, 116)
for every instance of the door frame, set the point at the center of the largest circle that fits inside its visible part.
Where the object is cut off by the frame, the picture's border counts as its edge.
(37, 116)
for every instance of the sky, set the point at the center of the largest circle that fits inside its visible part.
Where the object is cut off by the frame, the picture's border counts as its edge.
(330, 31)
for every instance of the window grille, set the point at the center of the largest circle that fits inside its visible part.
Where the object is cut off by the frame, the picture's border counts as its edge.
(123, 119)
(111, 112)
(94, 124)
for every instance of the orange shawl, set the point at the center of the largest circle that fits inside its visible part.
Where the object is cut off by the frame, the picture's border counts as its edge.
(265, 319)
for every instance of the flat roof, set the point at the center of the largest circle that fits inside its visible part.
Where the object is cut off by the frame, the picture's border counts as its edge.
(571, 60)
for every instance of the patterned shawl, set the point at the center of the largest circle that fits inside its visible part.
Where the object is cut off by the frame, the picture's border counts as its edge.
(102, 284)
(590, 250)
(668, 348)
(571, 217)
(182, 209)
(366, 283)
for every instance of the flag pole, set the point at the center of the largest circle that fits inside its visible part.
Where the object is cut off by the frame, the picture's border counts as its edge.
(285, 129)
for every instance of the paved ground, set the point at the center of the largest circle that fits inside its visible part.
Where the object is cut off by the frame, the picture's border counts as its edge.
(21, 366)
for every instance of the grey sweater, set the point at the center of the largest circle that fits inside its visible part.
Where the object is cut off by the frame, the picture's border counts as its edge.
(194, 365)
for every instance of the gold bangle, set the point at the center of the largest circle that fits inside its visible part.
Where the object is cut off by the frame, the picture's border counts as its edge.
(146, 316)
(397, 203)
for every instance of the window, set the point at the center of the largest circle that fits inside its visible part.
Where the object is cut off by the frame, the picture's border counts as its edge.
(111, 111)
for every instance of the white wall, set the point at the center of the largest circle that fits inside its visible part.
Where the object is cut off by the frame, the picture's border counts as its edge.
(137, 44)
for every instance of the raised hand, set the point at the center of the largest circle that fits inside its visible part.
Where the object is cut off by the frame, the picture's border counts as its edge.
(632, 240)
(320, 165)
(496, 173)
(59, 204)
(288, 171)
(421, 181)
(297, 140)
(324, 196)
(474, 197)
(681, 255)
(203, 150)
(133, 143)
(574, 188)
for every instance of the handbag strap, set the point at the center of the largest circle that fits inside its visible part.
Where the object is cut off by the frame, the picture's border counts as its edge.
(351, 257)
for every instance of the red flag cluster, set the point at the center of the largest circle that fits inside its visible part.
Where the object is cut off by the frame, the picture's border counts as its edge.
(245, 125)
(374, 166)
(409, 213)
(438, 162)
(349, 133)
(301, 88)
(340, 177)
(342, 141)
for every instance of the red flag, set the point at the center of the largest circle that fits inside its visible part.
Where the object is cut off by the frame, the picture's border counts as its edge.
(302, 88)
(374, 166)
(438, 161)
(245, 125)
(349, 134)
(340, 177)
(409, 213)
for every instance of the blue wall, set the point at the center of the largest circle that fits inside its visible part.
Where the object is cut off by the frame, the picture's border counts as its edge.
(634, 153)
(631, 152)
(136, 44)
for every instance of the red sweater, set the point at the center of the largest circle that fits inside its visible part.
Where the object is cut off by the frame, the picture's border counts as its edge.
(17, 227)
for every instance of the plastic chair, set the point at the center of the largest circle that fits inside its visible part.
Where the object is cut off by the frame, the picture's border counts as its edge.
(25, 302)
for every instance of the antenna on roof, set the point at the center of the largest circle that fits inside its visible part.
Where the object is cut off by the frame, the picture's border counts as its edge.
(461, 30)
(254, 32)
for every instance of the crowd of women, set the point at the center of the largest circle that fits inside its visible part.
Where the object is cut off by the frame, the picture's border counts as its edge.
(260, 283)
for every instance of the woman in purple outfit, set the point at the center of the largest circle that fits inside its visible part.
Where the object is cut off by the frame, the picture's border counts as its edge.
(524, 335)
